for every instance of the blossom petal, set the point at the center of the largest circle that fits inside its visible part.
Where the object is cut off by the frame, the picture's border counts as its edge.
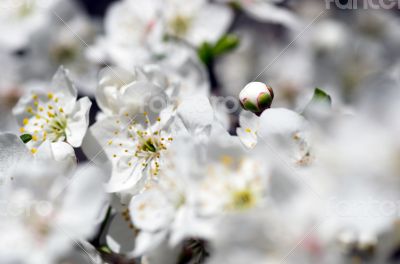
(78, 122)
(12, 151)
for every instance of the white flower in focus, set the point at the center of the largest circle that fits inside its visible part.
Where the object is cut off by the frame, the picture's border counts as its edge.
(122, 92)
(54, 114)
(135, 146)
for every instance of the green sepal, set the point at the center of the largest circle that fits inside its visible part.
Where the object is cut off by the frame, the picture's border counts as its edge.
(26, 138)
(250, 107)
(321, 95)
(264, 101)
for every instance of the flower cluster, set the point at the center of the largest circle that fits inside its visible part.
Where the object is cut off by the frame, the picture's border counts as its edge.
(145, 138)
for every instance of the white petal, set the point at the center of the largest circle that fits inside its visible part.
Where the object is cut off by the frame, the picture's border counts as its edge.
(78, 122)
(120, 238)
(126, 178)
(143, 96)
(151, 211)
(197, 116)
(62, 83)
(111, 79)
(249, 125)
(210, 23)
(61, 152)
(280, 121)
(12, 152)
(146, 242)
(83, 202)
(267, 12)
(285, 131)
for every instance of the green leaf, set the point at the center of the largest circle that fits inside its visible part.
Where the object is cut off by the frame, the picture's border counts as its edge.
(26, 138)
(321, 95)
(208, 52)
(105, 249)
(225, 44)
(320, 102)
(205, 53)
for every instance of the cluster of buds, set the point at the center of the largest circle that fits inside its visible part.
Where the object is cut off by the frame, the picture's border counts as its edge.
(256, 97)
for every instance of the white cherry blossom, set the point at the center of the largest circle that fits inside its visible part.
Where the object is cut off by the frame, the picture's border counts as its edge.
(54, 113)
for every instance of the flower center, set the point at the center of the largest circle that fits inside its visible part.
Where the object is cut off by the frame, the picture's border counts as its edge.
(242, 199)
(149, 142)
(63, 53)
(45, 119)
(180, 25)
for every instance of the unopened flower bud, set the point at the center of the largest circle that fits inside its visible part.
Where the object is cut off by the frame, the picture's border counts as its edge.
(256, 97)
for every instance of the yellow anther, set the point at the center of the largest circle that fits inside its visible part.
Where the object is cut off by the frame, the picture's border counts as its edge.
(34, 97)
(110, 142)
(248, 130)
(25, 121)
(34, 138)
(61, 110)
(33, 150)
(226, 160)
(21, 129)
(50, 95)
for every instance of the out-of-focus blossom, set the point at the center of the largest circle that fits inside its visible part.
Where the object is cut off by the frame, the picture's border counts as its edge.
(196, 21)
(63, 44)
(135, 31)
(40, 220)
(132, 33)
(21, 19)
(267, 11)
